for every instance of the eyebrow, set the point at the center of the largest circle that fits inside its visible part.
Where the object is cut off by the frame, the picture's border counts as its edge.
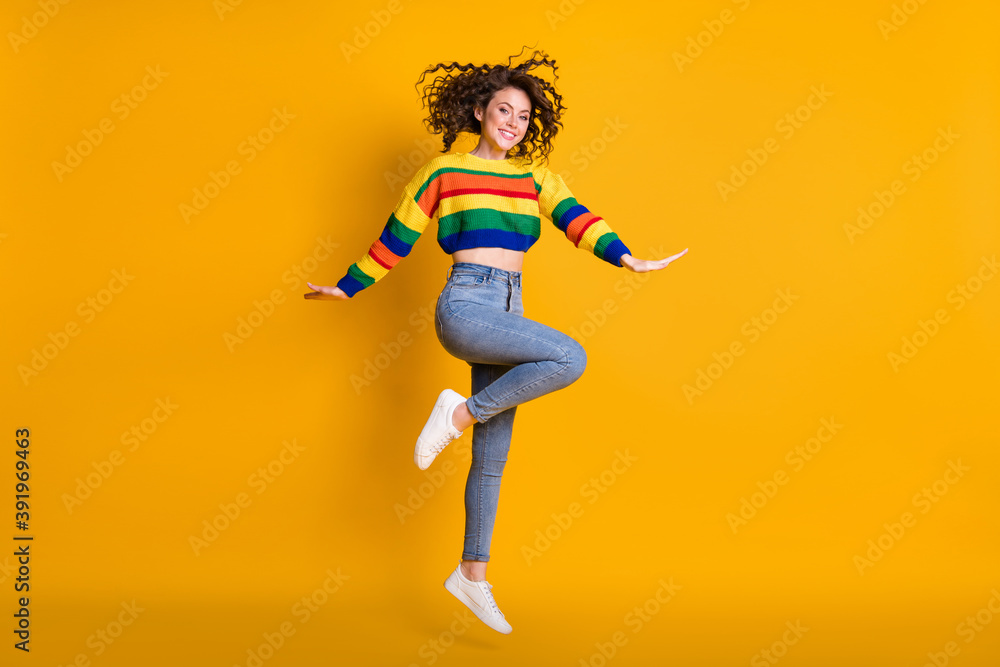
(522, 110)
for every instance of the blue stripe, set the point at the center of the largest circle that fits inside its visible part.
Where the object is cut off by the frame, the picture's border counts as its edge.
(393, 243)
(350, 285)
(571, 213)
(488, 238)
(613, 253)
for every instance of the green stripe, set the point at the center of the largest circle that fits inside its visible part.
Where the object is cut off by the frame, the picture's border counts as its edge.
(603, 242)
(360, 275)
(562, 207)
(401, 231)
(487, 218)
(442, 170)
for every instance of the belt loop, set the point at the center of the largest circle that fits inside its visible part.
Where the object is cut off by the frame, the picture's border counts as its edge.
(447, 274)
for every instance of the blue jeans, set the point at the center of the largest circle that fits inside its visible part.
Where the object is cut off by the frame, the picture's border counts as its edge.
(479, 318)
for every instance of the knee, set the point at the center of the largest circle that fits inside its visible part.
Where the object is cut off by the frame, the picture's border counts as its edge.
(576, 359)
(489, 466)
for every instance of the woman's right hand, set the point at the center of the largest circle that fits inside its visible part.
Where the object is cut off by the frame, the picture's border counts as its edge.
(325, 293)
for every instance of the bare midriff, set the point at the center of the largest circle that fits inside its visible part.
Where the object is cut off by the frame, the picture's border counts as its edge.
(501, 258)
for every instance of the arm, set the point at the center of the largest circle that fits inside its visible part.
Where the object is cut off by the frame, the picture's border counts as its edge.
(406, 223)
(587, 231)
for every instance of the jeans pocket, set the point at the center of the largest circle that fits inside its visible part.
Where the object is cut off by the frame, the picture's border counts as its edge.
(465, 280)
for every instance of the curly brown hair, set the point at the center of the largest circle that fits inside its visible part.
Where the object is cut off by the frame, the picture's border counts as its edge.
(451, 98)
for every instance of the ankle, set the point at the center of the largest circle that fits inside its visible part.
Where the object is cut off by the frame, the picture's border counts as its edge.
(461, 418)
(467, 571)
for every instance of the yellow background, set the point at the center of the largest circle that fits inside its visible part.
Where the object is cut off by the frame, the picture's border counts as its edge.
(655, 179)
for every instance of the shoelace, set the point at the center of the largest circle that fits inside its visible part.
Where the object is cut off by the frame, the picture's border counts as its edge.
(440, 444)
(489, 597)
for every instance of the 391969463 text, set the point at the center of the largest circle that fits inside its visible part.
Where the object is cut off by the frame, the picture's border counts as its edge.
(22, 541)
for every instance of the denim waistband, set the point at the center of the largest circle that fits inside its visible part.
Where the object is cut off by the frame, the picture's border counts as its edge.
(491, 272)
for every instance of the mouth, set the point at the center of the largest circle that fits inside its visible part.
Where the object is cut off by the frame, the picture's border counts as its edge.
(508, 135)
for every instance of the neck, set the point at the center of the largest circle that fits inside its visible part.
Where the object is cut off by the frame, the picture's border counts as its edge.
(488, 152)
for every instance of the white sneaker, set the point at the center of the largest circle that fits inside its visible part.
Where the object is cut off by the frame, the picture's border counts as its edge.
(439, 429)
(476, 596)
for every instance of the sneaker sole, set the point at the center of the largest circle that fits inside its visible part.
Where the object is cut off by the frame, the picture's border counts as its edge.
(451, 584)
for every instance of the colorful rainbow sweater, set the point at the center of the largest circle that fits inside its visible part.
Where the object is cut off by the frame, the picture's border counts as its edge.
(481, 203)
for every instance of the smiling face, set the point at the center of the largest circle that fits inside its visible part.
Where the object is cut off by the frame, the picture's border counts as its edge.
(506, 119)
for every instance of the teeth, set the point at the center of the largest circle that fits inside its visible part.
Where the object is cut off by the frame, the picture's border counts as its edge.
(509, 135)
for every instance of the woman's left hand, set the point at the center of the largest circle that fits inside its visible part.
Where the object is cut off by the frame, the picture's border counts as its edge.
(643, 265)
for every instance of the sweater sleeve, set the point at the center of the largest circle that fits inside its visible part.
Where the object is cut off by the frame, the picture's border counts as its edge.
(584, 229)
(408, 220)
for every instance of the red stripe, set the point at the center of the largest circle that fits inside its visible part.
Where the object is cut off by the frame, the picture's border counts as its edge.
(452, 184)
(487, 191)
(580, 235)
(454, 180)
(479, 191)
(574, 226)
(377, 249)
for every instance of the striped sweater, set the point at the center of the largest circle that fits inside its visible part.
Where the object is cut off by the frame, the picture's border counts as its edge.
(480, 202)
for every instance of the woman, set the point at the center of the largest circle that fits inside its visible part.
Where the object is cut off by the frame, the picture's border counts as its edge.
(488, 203)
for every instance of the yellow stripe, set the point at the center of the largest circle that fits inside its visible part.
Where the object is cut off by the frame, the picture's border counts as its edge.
(593, 233)
(410, 214)
(554, 190)
(371, 267)
(484, 200)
